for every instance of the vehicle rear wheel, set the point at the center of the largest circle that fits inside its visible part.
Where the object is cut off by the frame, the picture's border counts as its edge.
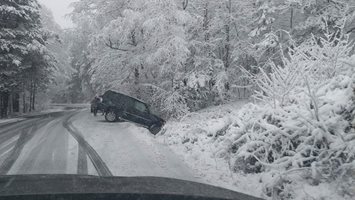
(111, 116)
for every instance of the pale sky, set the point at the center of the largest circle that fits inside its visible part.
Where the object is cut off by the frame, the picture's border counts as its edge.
(60, 8)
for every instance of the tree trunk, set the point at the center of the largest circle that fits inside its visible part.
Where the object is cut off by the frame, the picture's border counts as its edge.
(1, 105)
(185, 3)
(24, 99)
(34, 96)
(206, 22)
(10, 103)
(291, 19)
(227, 29)
(4, 103)
(136, 82)
(16, 102)
(31, 89)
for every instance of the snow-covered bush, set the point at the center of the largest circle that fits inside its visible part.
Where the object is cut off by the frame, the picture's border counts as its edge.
(172, 104)
(304, 125)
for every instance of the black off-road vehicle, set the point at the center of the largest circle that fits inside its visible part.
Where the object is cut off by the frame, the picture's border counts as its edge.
(120, 107)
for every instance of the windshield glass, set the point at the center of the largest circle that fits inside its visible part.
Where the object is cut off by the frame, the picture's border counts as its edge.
(254, 96)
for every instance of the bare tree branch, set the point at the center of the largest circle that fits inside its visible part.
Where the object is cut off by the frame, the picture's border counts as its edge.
(185, 4)
(111, 46)
(351, 30)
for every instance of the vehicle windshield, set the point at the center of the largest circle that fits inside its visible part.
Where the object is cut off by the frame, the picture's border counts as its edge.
(252, 96)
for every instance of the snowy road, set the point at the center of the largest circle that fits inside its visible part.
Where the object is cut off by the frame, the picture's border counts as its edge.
(74, 142)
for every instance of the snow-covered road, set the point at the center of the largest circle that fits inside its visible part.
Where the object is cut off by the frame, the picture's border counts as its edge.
(75, 142)
(129, 150)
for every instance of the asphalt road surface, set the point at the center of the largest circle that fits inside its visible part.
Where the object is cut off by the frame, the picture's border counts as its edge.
(51, 144)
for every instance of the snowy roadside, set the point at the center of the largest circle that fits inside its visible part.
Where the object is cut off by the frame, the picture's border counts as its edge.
(203, 140)
(193, 138)
(49, 109)
(11, 120)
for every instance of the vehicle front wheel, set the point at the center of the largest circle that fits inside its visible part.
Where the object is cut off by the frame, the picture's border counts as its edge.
(111, 116)
(155, 129)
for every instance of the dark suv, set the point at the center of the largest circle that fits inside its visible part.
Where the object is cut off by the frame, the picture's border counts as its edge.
(120, 107)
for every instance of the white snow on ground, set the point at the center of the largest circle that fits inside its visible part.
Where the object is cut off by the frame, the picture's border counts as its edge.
(5, 121)
(192, 138)
(129, 150)
(50, 109)
(62, 107)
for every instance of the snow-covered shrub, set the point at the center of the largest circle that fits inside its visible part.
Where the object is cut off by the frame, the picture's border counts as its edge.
(172, 104)
(304, 125)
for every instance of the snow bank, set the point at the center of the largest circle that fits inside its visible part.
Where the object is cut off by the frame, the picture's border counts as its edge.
(206, 141)
(298, 143)
(5, 121)
(197, 139)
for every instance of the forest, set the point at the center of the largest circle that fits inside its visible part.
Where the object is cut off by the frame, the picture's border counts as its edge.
(178, 55)
(24, 59)
(183, 56)
(292, 60)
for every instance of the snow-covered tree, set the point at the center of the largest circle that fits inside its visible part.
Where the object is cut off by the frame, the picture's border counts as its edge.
(141, 44)
(58, 44)
(24, 59)
(288, 21)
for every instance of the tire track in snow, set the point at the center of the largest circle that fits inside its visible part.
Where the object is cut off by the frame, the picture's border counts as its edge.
(34, 153)
(25, 135)
(14, 129)
(82, 161)
(96, 160)
(15, 152)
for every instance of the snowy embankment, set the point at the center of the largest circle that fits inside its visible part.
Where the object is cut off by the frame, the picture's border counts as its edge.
(197, 139)
(298, 143)
(205, 141)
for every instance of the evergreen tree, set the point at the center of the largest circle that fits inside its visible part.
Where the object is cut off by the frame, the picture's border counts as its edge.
(24, 60)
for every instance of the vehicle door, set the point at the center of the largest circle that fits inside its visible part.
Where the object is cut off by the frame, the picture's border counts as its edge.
(141, 113)
(127, 105)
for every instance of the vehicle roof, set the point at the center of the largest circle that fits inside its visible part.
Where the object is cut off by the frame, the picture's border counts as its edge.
(112, 91)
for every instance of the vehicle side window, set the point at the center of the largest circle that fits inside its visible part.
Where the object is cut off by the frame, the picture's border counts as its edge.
(140, 106)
